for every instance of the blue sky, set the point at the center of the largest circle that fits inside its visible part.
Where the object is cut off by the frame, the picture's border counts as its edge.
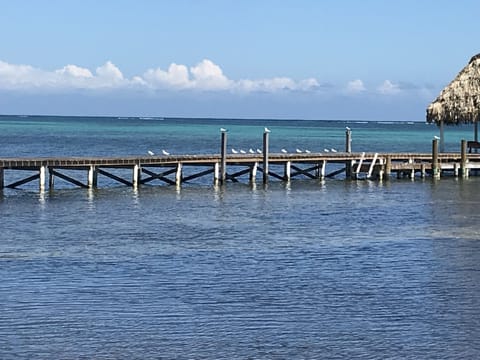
(333, 59)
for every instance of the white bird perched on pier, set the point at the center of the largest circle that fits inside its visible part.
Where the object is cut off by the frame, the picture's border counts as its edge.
(308, 151)
(284, 151)
(267, 130)
(251, 151)
(223, 130)
(436, 137)
(326, 150)
(298, 151)
(242, 151)
(150, 152)
(234, 151)
(333, 150)
(347, 128)
(165, 152)
(259, 151)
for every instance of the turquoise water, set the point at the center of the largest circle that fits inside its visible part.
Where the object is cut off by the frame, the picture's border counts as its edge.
(307, 269)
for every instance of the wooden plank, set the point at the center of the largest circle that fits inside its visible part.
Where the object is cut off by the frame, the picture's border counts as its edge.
(370, 170)
(359, 166)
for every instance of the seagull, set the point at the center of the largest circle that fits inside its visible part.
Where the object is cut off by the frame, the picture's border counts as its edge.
(436, 137)
(298, 151)
(284, 151)
(267, 130)
(164, 152)
(223, 130)
(259, 151)
(326, 150)
(307, 151)
(243, 152)
(251, 151)
(234, 151)
(333, 150)
(150, 152)
(347, 128)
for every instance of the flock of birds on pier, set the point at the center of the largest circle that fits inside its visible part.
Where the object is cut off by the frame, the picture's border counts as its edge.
(251, 151)
(164, 152)
(257, 151)
(284, 151)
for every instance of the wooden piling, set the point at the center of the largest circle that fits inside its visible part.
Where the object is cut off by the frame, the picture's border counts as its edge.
(223, 158)
(51, 178)
(388, 167)
(136, 175)
(178, 174)
(216, 173)
(265, 156)
(253, 172)
(287, 171)
(92, 177)
(2, 178)
(435, 164)
(348, 149)
(348, 140)
(463, 158)
(42, 173)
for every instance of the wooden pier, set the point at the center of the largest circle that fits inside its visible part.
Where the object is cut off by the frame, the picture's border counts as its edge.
(179, 169)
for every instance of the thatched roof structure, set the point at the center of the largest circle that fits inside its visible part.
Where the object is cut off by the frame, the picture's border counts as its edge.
(459, 102)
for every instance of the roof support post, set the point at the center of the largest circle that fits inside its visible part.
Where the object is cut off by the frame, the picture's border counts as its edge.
(442, 137)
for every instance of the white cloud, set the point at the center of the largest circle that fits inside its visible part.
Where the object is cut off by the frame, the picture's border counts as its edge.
(176, 77)
(74, 71)
(209, 76)
(109, 74)
(388, 88)
(204, 76)
(356, 86)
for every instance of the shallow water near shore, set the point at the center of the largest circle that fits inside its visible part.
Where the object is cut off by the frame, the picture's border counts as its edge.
(308, 269)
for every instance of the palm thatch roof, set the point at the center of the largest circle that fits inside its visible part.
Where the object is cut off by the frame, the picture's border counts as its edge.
(459, 102)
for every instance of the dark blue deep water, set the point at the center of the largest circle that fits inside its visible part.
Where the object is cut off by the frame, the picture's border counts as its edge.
(304, 270)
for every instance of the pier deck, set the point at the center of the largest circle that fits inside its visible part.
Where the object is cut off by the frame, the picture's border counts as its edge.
(171, 170)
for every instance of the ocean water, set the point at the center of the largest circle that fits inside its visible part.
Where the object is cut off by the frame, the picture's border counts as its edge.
(300, 270)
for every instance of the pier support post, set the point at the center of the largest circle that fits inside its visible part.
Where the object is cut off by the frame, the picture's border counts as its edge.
(216, 173)
(253, 172)
(42, 177)
(435, 165)
(388, 167)
(348, 140)
(265, 156)
(463, 161)
(2, 179)
(348, 149)
(322, 170)
(287, 171)
(51, 178)
(136, 175)
(178, 175)
(223, 157)
(92, 176)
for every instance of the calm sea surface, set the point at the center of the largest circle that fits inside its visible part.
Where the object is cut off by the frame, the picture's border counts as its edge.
(304, 270)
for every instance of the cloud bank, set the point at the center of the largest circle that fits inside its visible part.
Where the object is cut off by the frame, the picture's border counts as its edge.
(204, 76)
